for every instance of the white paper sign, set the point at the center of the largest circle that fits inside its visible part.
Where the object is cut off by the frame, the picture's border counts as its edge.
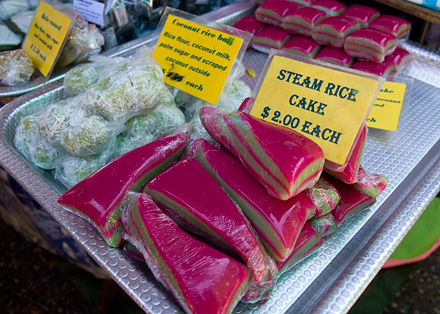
(90, 10)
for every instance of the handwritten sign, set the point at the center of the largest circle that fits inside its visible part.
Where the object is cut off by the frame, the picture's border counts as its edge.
(46, 37)
(194, 58)
(90, 10)
(324, 104)
(386, 110)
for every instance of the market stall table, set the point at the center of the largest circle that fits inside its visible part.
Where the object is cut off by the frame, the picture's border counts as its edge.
(330, 280)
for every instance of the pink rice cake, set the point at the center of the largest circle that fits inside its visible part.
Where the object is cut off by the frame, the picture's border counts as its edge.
(335, 56)
(333, 30)
(330, 7)
(99, 197)
(272, 12)
(308, 242)
(201, 278)
(189, 194)
(362, 14)
(276, 222)
(302, 45)
(370, 44)
(382, 69)
(352, 201)
(370, 183)
(324, 225)
(249, 24)
(393, 25)
(306, 3)
(283, 160)
(348, 173)
(399, 59)
(324, 196)
(303, 20)
(270, 37)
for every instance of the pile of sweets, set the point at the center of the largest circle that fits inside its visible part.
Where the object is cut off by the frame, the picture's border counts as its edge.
(223, 219)
(355, 36)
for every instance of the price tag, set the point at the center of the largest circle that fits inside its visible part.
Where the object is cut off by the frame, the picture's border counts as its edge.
(386, 110)
(326, 104)
(46, 37)
(90, 10)
(195, 58)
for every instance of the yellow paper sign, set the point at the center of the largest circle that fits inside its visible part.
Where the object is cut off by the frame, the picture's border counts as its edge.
(386, 110)
(46, 37)
(324, 104)
(194, 58)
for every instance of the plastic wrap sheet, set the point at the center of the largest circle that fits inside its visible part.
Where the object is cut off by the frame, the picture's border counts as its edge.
(328, 281)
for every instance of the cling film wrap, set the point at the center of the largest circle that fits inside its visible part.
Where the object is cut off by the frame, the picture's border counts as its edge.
(324, 195)
(202, 279)
(324, 225)
(15, 67)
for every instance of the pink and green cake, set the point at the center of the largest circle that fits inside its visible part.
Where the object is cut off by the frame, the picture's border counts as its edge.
(309, 241)
(272, 12)
(361, 14)
(270, 37)
(201, 278)
(370, 183)
(370, 44)
(399, 59)
(335, 56)
(393, 25)
(98, 198)
(276, 222)
(303, 20)
(382, 69)
(302, 45)
(324, 195)
(330, 7)
(249, 24)
(192, 197)
(333, 30)
(283, 160)
(324, 225)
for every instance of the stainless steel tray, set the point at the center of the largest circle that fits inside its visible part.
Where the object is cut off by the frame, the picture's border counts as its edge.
(330, 280)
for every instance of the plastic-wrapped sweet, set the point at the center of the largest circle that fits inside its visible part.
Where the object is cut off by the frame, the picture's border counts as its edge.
(86, 135)
(80, 78)
(233, 95)
(70, 170)
(130, 141)
(135, 87)
(32, 145)
(15, 67)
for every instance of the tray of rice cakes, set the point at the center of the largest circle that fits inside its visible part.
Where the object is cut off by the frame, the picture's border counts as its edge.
(195, 208)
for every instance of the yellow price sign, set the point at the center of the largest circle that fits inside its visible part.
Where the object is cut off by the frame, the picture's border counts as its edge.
(324, 104)
(386, 110)
(46, 37)
(194, 58)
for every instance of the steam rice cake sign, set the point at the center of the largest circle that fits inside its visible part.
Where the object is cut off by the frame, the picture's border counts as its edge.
(194, 58)
(324, 104)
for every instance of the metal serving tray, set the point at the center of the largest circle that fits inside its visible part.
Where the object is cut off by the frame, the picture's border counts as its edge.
(330, 280)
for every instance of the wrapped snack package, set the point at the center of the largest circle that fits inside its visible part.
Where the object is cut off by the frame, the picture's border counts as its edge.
(370, 183)
(194, 199)
(308, 242)
(270, 37)
(202, 279)
(276, 222)
(362, 14)
(352, 201)
(249, 24)
(393, 25)
(370, 44)
(15, 67)
(324, 196)
(335, 56)
(98, 198)
(399, 59)
(33, 145)
(272, 12)
(324, 225)
(303, 20)
(283, 160)
(84, 40)
(131, 87)
(333, 30)
(302, 45)
(349, 171)
(382, 69)
(330, 7)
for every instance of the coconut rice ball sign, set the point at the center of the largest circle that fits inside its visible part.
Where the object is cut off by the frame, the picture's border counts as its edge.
(195, 58)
